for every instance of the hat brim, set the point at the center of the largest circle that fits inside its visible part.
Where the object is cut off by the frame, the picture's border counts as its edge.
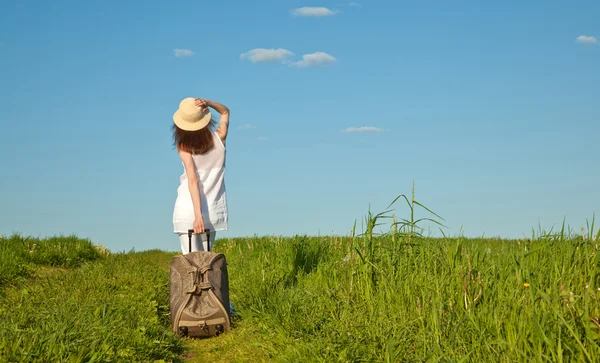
(191, 126)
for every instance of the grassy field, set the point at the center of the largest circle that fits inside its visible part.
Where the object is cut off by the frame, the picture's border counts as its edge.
(82, 304)
(19, 256)
(394, 297)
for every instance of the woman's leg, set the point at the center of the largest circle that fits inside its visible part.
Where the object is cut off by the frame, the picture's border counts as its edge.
(213, 235)
(185, 243)
(205, 242)
(196, 239)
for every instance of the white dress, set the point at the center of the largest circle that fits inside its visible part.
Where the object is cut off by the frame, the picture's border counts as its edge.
(213, 197)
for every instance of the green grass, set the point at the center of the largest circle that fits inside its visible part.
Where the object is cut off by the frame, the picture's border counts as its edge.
(390, 297)
(436, 300)
(20, 256)
(114, 310)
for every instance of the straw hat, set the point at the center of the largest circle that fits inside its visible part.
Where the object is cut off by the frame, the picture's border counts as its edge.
(190, 117)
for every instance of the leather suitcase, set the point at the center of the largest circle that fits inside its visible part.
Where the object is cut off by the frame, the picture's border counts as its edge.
(199, 293)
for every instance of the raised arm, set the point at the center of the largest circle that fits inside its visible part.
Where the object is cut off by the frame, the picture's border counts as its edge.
(190, 171)
(221, 109)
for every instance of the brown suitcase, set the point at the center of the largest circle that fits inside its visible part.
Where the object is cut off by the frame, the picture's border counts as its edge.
(199, 293)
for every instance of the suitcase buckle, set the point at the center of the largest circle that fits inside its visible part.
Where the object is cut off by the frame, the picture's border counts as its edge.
(205, 286)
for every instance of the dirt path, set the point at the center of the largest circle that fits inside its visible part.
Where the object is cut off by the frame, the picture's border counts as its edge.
(242, 344)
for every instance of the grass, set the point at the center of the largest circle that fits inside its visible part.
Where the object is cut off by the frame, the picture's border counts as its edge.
(21, 256)
(114, 310)
(386, 297)
(437, 300)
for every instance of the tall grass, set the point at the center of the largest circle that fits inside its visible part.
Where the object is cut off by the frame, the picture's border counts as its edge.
(19, 256)
(375, 297)
(112, 311)
(442, 299)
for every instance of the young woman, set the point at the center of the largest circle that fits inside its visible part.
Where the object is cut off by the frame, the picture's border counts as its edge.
(201, 202)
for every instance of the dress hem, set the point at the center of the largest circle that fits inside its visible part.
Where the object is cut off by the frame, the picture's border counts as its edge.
(212, 230)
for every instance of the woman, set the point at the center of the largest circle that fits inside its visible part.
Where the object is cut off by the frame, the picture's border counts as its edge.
(201, 202)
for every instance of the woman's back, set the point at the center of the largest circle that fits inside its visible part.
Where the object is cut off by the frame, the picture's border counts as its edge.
(210, 170)
(210, 167)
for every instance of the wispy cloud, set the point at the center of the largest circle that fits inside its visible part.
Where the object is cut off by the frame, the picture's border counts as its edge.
(364, 129)
(280, 55)
(586, 39)
(354, 4)
(266, 55)
(313, 11)
(317, 59)
(183, 52)
(246, 127)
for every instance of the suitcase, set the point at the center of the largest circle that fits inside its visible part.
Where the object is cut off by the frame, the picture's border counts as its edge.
(199, 293)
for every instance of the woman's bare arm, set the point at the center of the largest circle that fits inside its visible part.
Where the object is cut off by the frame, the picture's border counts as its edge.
(190, 170)
(221, 109)
(224, 122)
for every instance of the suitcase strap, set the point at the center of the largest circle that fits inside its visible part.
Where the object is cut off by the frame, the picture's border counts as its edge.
(204, 286)
(203, 323)
(194, 282)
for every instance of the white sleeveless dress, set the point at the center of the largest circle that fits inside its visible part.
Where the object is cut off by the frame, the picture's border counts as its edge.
(213, 197)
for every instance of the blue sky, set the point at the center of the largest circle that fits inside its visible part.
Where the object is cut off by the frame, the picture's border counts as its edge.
(490, 107)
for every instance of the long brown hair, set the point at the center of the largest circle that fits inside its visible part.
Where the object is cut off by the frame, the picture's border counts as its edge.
(194, 142)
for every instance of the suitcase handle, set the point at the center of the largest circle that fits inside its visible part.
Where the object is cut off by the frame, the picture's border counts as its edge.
(191, 231)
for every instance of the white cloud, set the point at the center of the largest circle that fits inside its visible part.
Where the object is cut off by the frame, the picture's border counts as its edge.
(183, 53)
(313, 11)
(314, 60)
(354, 4)
(364, 129)
(246, 127)
(280, 55)
(266, 55)
(587, 39)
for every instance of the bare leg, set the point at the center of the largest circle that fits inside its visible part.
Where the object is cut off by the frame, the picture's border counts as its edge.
(199, 242)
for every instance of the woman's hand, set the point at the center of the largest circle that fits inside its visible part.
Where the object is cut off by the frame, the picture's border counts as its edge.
(198, 225)
(203, 104)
